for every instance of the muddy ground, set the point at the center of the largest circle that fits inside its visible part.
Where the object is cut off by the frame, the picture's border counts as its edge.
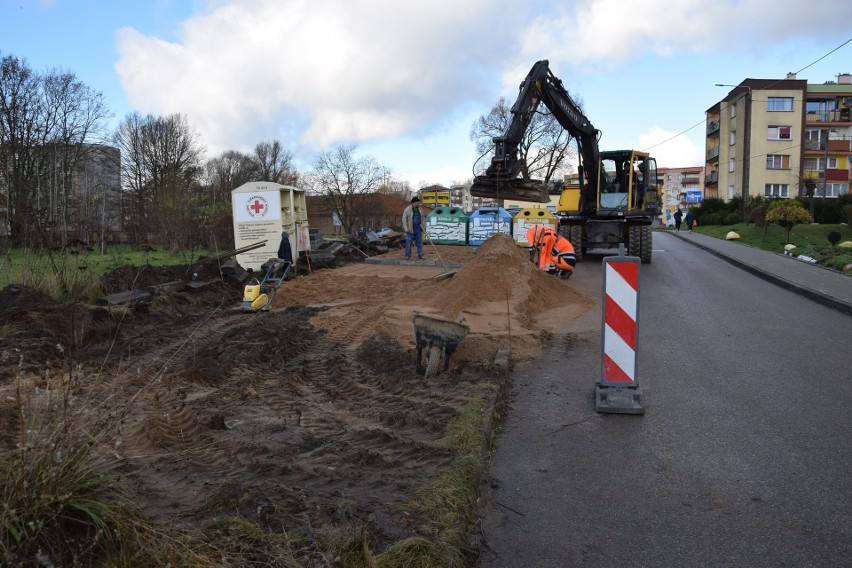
(309, 415)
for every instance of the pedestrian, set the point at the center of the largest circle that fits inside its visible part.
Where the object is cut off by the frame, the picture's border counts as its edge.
(414, 224)
(285, 251)
(678, 218)
(690, 220)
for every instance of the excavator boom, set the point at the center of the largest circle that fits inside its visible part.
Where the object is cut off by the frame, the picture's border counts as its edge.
(500, 180)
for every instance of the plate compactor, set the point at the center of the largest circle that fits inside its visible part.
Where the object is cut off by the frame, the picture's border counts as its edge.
(259, 295)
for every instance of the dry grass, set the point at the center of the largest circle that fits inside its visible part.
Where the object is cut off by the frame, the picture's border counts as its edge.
(64, 505)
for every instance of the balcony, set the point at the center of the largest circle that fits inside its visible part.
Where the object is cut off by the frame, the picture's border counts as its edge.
(712, 128)
(832, 175)
(838, 175)
(828, 116)
(713, 154)
(712, 178)
(837, 146)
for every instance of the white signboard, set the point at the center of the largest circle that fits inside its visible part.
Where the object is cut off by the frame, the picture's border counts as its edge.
(257, 217)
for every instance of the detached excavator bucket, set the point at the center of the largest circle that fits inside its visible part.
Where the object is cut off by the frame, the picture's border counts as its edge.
(515, 189)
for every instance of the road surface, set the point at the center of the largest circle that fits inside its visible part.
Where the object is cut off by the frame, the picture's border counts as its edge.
(741, 459)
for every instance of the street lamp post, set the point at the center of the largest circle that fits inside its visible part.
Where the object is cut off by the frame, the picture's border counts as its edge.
(746, 146)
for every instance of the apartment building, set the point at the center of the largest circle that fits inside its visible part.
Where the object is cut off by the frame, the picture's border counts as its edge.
(680, 188)
(780, 138)
(460, 197)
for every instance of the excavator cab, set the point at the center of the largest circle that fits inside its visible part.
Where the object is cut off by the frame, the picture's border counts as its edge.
(627, 181)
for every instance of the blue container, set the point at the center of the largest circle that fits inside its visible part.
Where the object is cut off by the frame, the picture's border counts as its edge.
(486, 222)
(447, 226)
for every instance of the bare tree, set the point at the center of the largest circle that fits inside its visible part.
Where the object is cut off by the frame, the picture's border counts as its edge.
(20, 135)
(134, 178)
(161, 166)
(49, 124)
(344, 179)
(228, 171)
(73, 116)
(545, 151)
(275, 163)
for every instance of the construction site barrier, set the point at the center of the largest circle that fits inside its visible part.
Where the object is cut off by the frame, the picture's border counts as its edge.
(617, 391)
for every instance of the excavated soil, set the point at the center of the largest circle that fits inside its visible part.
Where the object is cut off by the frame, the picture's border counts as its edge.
(309, 415)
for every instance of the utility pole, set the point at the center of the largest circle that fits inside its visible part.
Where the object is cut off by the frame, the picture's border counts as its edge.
(825, 166)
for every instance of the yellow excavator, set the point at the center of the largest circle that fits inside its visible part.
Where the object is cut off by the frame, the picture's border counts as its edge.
(618, 194)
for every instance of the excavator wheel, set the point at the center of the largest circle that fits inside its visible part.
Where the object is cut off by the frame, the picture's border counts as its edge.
(634, 240)
(575, 235)
(646, 248)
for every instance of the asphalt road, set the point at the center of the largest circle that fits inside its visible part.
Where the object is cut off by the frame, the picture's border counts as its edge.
(743, 456)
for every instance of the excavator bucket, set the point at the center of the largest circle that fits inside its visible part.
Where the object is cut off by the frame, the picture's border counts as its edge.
(515, 189)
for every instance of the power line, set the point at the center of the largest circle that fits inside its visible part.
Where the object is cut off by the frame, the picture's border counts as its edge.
(704, 120)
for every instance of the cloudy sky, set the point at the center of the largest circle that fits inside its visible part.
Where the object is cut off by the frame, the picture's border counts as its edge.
(404, 80)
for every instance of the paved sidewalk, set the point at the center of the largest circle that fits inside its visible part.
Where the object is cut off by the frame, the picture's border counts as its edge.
(823, 285)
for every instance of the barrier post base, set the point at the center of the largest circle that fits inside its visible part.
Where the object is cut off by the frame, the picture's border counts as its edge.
(618, 400)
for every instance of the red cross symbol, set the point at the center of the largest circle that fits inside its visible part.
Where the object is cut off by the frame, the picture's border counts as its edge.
(257, 206)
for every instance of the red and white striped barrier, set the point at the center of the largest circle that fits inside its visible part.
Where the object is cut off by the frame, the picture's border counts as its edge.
(618, 390)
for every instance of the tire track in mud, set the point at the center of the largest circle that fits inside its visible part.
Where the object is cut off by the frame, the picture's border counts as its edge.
(266, 415)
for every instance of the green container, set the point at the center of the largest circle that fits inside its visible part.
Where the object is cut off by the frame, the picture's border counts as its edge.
(447, 226)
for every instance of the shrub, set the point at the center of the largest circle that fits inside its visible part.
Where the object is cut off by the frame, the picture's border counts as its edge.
(711, 219)
(833, 237)
(788, 213)
(757, 207)
(732, 219)
(847, 213)
(708, 206)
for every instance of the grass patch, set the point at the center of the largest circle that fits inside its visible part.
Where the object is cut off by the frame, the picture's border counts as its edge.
(810, 240)
(74, 275)
(59, 501)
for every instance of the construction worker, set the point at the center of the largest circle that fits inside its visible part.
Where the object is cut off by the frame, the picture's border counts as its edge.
(551, 252)
(563, 257)
(534, 239)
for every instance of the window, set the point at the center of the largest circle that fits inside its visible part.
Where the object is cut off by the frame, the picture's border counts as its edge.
(835, 189)
(731, 165)
(775, 190)
(774, 104)
(733, 110)
(733, 138)
(777, 162)
(779, 133)
(818, 164)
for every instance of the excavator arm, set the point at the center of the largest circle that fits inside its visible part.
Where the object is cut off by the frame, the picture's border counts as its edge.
(501, 178)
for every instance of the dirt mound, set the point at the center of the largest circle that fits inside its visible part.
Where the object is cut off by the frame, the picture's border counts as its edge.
(126, 278)
(502, 272)
(41, 332)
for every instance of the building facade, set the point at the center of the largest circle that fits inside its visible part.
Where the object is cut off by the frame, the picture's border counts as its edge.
(680, 188)
(780, 138)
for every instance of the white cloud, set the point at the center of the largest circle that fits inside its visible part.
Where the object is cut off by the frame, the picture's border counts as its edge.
(314, 73)
(609, 32)
(345, 70)
(671, 149)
